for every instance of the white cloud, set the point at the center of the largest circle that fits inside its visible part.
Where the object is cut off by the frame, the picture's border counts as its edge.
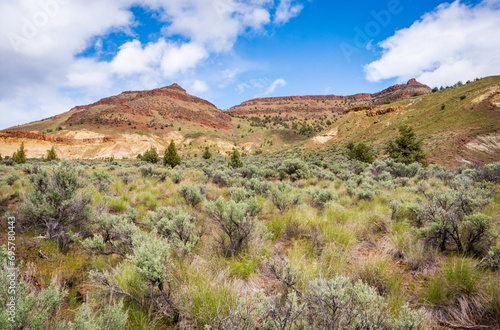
(454, 42)
(264, 86)
(182, 58)
(277, 83)
(287, 11)
(198, 86)
(40, 41)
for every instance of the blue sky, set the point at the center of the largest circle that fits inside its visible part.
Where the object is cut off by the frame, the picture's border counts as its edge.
(56, 54)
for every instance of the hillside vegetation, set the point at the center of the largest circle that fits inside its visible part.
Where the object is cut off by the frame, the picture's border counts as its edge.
(459, 124)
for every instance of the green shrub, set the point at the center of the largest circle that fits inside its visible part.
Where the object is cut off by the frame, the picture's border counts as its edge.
(282, 196)
(56, 205)
(113, 235)
(193, 195)
(321, 197)
(295, 169)
(10, 179)
(450, 223)
(492, 260)
(360, 152)
(113, 317)
(151, 156)
(236, 222)
(178, 227)
(101, 180)
(33, 310)
(178, 176)
(332, 304)
(365, 194)
(257, 186)
(240, 194)
(146, 171)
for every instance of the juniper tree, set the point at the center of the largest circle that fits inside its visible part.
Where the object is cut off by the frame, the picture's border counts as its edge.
(235, 160)
(171, 157)
(151, 156)
(20, 155)
(206, 154)
(360, 152)
(51, 155)
(406, 148)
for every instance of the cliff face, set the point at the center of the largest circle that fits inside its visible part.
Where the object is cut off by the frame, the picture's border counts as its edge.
(319, 103)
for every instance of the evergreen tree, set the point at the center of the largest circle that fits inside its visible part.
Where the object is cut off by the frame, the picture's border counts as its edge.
(235, 160)
(51, 155)
(20, 156)
(151, 156)
(1, 157)
(406, 148)
(206, 154)
(360, 152)
(171, 158)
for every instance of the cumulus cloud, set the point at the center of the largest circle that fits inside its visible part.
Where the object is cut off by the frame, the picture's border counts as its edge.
(286, 11)
(41, 42)
(198, 86)
(454, 42)
(277, 83)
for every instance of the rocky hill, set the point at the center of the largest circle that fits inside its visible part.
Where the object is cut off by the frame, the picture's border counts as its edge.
(316, 104)
(459, 124)
(144, 110)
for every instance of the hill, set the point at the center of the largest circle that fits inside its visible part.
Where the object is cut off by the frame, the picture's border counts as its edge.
(317, 104)
(459, 124)
(121, 126)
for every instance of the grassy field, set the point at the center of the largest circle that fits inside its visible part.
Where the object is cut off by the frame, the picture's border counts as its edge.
(272, 243)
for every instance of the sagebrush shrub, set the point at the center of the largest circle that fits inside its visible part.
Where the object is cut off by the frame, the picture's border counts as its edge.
(178, 227)
(282, 196)
(450, 222)
(236, 222)
(295, 169)
(56, 204)
(321, 197)
(193, 195)
(33, 309)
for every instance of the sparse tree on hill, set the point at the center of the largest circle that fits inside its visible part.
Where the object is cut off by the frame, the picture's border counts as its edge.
(206, 154)
(235, 160)
(406, 148)
(20, 155)
(51, 155)
(171, 158)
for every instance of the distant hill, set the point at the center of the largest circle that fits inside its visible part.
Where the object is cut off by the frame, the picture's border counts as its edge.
(316, 104)
(144, 110)
(459, 124)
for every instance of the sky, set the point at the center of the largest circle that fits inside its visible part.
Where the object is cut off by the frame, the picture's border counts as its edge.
(57, 54)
